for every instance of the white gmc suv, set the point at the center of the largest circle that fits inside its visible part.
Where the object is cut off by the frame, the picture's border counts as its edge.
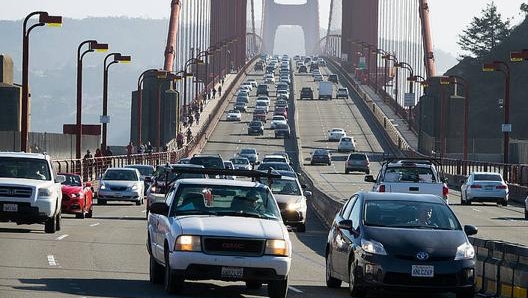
(30, 191)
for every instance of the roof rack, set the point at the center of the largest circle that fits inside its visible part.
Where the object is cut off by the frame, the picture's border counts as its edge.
(227, 172)
(419, 160)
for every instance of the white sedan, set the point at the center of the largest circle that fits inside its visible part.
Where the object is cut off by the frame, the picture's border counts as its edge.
(276, 120)
(484, 187)
(234, 115)
(335, 134)
(346, 144)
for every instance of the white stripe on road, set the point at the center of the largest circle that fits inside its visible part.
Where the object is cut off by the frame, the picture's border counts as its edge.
(95, 224)
(62, 237)
(294, 289)
(51, 260)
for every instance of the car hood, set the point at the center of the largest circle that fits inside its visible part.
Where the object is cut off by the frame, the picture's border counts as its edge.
(120, 182)
(21, 182)
(232, 226)
(281, 198)
(408, 242)
(71, 189)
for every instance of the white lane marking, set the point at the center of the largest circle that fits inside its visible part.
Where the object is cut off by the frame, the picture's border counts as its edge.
(294, 289)
(476, 209)
(143, 211)
(95, 224)
(62, 237)
(51, 260)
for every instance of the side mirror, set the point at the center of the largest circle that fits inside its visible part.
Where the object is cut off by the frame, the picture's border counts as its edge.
(470, 230)
(308, 194)
(159, 208)
(369, 178)
(148, 179)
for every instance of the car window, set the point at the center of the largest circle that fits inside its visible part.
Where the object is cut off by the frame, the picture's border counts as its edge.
(355, 214)
(348, 207)
(487, 177)
(232, 200)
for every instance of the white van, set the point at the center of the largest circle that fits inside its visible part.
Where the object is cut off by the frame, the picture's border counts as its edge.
(326, 90)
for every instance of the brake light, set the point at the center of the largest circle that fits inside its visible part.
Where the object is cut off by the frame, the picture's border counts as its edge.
(445, 191)
(476, 186)
(381, 188)
(502, 186)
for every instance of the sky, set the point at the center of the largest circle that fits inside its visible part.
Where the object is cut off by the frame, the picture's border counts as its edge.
(448, 17)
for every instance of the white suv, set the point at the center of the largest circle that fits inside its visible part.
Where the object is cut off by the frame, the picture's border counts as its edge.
(30, 191)
(219, 229)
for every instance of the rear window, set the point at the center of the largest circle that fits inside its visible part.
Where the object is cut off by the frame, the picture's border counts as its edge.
(487, 177)
(357, 156)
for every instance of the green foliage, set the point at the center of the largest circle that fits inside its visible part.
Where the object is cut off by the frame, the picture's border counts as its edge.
(484, 33)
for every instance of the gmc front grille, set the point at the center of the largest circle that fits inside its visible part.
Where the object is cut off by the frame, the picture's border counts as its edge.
(233, 246)
(15, 192)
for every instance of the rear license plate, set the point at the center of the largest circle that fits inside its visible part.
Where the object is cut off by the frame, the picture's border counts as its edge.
(10, 208)
(232, 272)
(422, 271)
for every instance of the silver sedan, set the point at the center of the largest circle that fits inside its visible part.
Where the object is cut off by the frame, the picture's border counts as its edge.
(484, 187)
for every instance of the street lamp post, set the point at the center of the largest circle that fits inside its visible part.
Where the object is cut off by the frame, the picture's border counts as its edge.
(44, 18)
(93, 45)
(407, 102)
(118, 58)
(390, 57)
(190, 61)
(424, 83)
(506, 127)
(443, 82)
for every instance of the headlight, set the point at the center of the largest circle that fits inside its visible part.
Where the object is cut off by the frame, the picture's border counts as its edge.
(153, 189)
(373, 247)
(45, 192)
(188, 243)
(75, 195)
(465, 252)
(134, 187)
(292, 206)
(277, 248)
(102, 186)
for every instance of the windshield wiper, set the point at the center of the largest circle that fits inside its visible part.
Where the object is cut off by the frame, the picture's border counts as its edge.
(243, 214)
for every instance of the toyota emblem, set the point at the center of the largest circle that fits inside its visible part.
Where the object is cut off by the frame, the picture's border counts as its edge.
(422, 256)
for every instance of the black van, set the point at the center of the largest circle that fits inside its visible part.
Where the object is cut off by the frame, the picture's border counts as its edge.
(333, 78)
(263, 89)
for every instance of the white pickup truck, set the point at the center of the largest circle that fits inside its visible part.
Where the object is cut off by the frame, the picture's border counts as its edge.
(409, 176)
(30, 190)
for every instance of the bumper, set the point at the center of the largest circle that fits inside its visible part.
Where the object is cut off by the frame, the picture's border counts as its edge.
(121, 196)
(24, 214)
(449, 276)
(72, 206)
(292, 217)
(199, 266)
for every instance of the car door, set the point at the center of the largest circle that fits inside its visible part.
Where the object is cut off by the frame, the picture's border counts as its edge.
(159, 225)
(339, 243)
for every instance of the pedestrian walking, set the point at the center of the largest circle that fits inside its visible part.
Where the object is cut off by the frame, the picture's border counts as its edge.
(189, 135)
(197, 116)
(191, 120)
(214, 92)
(220, 90)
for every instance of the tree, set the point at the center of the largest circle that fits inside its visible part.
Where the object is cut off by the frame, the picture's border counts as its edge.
(484, 33)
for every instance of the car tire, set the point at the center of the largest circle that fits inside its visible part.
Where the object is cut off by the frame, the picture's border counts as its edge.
(347, 171)
(466, 293)
(172, 282)
(253, 285)
(353, 283)
(101, 202)
(155, 271)
(278, 288)
(80, 215)
(504, 202)
(301, 228)
(367, 172)
(525, 214)
(138, 203)
(49, 225)
(331, 282)
(58, 220)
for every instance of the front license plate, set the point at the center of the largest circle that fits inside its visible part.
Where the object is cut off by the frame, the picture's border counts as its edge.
(422, 271)
(10, 208)
(232, 272)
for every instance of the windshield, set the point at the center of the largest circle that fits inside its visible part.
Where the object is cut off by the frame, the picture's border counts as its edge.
(250, 151)
(225, 200)
(143, 170)
(404, 214)
(120, 175)
(284, 186)
(29, 168)
(72, 180)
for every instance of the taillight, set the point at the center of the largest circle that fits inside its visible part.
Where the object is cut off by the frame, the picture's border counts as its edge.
(476, 186)
(445, 191)
(502, 186)
(381, 188)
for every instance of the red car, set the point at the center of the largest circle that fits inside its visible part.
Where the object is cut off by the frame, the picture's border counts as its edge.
(77, 197)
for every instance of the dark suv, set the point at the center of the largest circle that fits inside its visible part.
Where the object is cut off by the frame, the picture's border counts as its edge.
(333, 78)
(209, 161)
(306, 92)
(256, 127)
(357, 162)
(262, 89)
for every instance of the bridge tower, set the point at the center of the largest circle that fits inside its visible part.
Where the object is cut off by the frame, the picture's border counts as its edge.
(304, 15)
